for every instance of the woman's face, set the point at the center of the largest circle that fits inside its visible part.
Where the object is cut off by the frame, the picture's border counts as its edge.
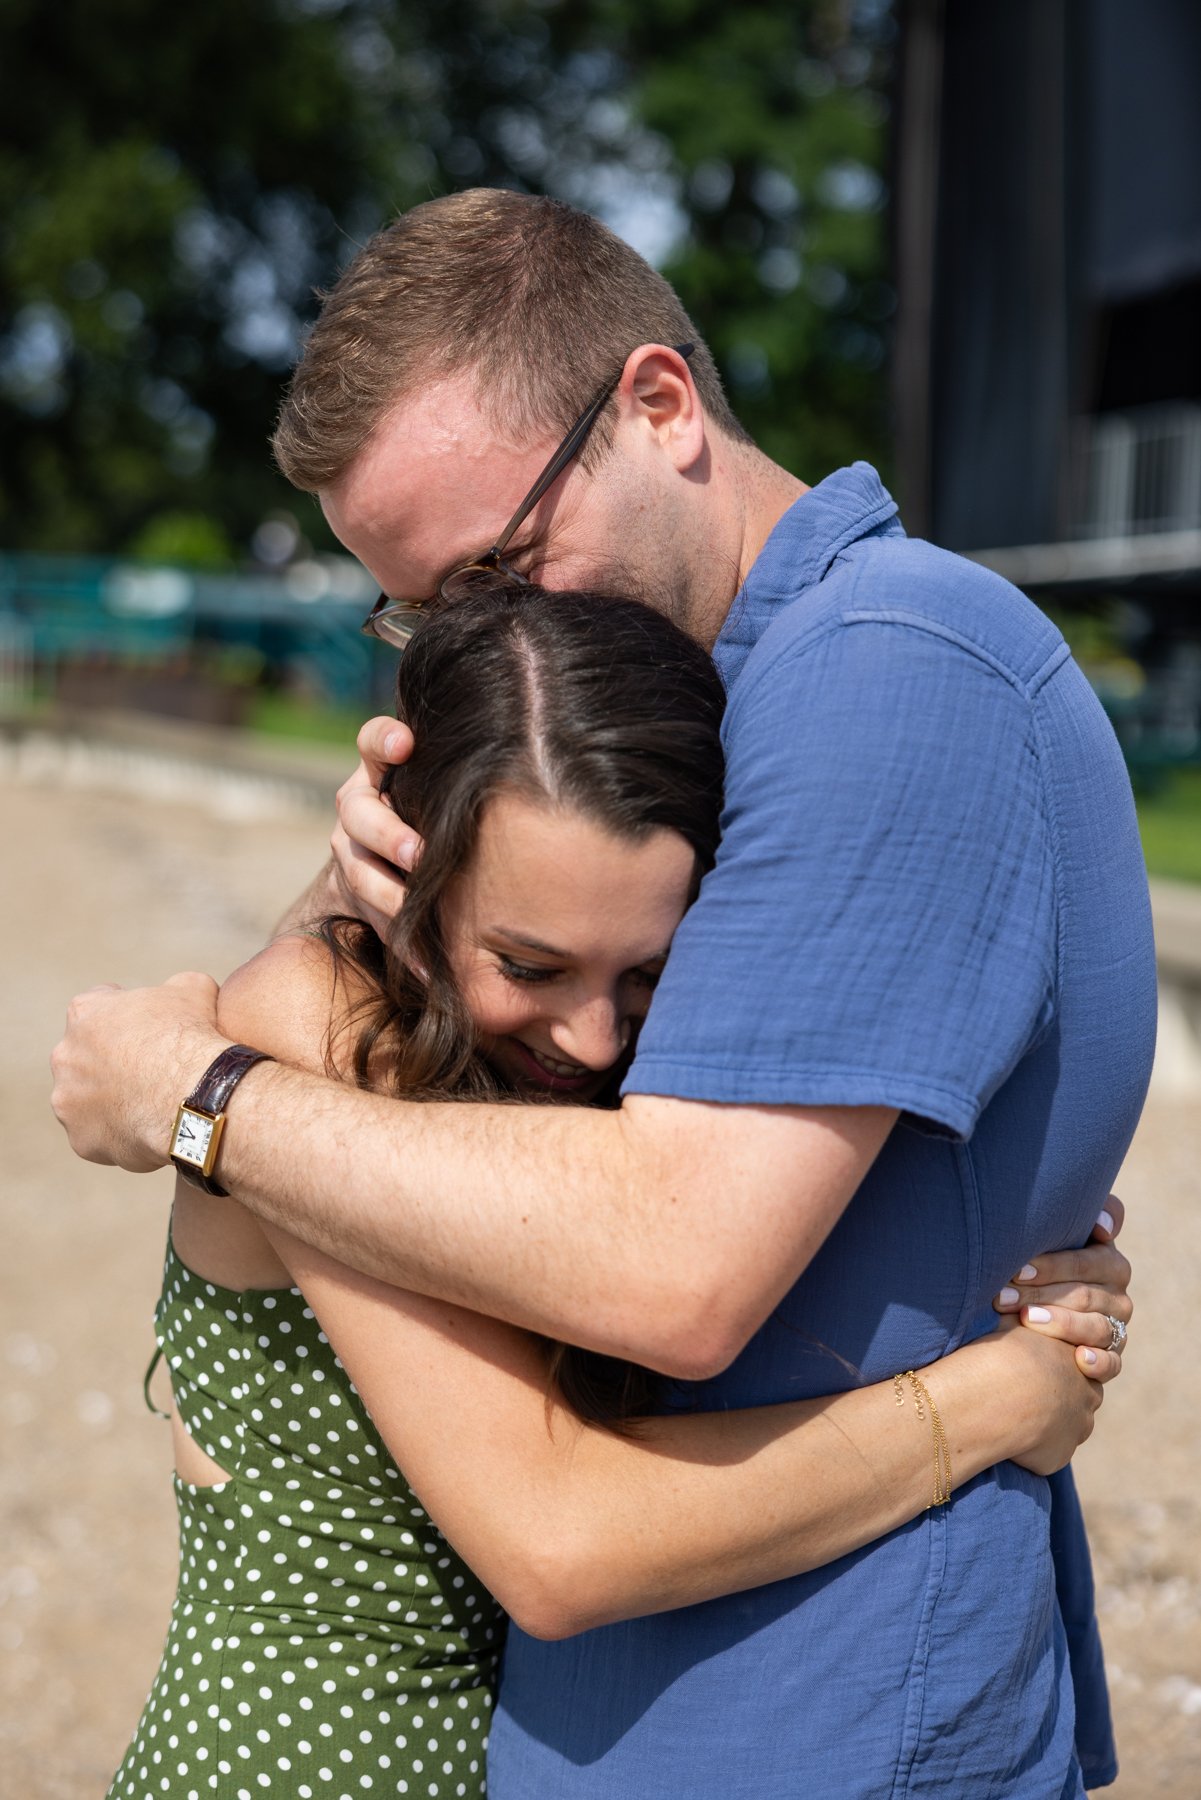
(556, 935)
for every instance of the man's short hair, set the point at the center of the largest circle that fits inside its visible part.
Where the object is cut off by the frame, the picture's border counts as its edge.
(539, 302)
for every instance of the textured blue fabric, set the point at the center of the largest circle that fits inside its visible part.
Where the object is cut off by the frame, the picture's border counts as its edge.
(930, 895)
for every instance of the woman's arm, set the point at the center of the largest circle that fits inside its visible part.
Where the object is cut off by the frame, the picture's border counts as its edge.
(572, 1526)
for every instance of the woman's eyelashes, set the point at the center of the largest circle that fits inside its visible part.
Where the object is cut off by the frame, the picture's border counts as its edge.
(513, 971)
(523, 972)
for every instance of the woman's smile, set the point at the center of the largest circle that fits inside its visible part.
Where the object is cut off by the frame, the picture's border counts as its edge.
(557, 934)
(550, 1072)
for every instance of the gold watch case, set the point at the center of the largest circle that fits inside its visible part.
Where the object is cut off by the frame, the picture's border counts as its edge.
(196, 1138)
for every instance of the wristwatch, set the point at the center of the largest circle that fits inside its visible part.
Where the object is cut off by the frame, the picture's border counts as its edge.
(196, 1136)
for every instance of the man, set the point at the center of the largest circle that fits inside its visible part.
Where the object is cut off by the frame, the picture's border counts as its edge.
(901, 987)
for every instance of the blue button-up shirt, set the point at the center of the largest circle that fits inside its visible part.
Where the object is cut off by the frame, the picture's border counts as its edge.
(930, 896)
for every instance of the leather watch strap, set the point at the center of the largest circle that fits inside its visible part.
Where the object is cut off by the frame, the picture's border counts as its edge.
(211, 1095)
(222, 1077)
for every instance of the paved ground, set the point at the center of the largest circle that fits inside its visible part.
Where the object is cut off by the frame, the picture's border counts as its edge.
(101, 885)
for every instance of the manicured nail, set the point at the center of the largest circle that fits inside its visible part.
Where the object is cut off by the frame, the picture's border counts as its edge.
(1105, 1219)
(1009, 1296)
(1027, 1273)
(1038, 1315)
(394, 746)
(1090, 1357)
(406, 852)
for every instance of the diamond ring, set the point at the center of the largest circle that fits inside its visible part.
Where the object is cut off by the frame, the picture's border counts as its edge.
(1117, 1332)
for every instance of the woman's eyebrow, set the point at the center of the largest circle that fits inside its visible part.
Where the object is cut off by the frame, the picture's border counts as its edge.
(541, 949)
(525, 943)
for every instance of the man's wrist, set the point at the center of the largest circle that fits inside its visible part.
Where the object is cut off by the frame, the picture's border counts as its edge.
(177, 1078)
(200, 1122)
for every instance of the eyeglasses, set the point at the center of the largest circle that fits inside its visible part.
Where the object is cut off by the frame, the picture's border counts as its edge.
(395, 621)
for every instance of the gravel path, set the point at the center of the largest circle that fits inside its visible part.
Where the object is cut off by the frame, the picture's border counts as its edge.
(104, 886)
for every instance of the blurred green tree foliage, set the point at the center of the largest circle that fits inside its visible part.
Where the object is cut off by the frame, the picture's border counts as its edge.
(174, 181)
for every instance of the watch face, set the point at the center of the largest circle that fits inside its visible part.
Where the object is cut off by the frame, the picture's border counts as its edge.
(193, 1135)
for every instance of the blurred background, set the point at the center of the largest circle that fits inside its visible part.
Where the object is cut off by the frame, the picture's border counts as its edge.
(960, 240)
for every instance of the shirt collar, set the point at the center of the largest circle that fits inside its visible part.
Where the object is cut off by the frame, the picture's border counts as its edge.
(850, 504)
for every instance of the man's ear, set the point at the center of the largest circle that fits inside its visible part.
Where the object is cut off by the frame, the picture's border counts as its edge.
(656, 391)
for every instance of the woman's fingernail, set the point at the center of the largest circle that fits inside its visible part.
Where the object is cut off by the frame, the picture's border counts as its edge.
(1090, 1357)
(394, 746)
(406, 852)
(1028, 1273)
(1009, 1296)
(1105, 1219)
(1038, 1315)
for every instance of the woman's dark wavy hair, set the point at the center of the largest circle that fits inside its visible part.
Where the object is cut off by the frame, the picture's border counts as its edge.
(584, 700)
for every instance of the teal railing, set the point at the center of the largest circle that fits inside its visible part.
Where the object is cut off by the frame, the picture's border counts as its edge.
(302, 624)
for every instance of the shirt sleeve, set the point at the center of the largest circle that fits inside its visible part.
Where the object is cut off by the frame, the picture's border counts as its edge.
(880, 926)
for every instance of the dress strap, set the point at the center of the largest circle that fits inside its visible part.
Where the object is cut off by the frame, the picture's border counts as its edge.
(154, 1363)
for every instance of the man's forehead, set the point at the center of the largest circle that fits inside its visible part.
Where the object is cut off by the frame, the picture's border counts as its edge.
(436, 460)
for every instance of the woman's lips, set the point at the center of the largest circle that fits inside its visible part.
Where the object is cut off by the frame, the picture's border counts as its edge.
(548, 1078)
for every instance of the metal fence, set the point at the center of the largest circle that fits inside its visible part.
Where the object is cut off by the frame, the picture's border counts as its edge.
(1137, 472)
(65, 613)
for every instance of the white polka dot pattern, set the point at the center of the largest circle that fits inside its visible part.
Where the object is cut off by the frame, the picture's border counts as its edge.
(326, 1642)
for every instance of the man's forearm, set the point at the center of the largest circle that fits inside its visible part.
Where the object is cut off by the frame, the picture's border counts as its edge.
(622, 1231)
(665, 1232)
(550, 1218)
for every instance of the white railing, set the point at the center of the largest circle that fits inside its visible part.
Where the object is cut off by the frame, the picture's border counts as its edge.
(1137, 472)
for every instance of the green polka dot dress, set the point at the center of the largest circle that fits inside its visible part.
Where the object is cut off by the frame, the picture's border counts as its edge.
(326, 1643)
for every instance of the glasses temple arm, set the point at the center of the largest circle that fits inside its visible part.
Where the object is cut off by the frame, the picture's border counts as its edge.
(567, 449)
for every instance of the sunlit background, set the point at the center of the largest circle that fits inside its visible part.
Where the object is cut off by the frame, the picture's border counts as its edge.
(960, 241)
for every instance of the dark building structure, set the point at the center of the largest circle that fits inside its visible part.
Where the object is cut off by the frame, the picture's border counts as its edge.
(1048, 255)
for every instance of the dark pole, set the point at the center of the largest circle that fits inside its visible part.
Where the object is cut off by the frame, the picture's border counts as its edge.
(915, 186)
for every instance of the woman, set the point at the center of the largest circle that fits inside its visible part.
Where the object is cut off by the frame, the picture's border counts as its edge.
(327, 1638)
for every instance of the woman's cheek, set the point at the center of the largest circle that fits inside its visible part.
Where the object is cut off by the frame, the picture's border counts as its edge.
(498, 1008)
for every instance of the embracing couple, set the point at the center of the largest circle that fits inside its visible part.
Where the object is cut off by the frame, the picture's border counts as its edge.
(689, 1363)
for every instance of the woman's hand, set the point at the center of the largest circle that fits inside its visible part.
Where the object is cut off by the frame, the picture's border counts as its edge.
(1054, 1404)
(371, 846)
(1073, 1295)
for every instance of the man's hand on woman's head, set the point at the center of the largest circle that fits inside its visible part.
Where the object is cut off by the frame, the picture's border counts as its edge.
(1074, 1295)
(127, 1059)
(371, 846)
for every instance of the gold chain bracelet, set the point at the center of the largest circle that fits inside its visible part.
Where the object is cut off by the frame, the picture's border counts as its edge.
(923, 1402)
